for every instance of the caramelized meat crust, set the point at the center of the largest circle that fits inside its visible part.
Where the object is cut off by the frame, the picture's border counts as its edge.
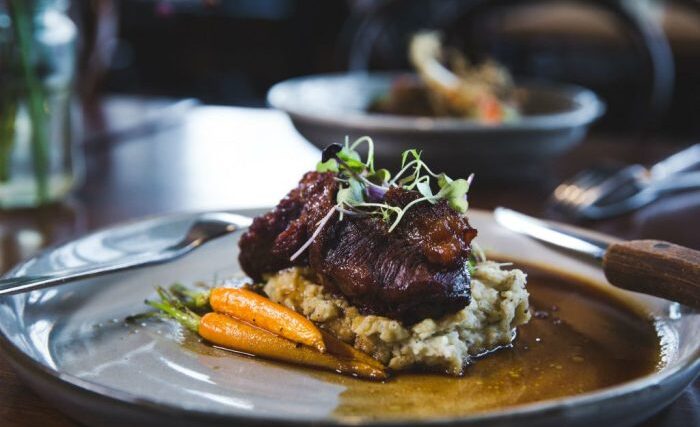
(441, 234)
(415, 272)
(274, 237)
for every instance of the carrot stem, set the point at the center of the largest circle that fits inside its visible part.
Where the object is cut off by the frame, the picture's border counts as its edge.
(194, 300)
(174, 309)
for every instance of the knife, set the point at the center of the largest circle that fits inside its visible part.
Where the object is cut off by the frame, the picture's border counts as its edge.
(652, 267)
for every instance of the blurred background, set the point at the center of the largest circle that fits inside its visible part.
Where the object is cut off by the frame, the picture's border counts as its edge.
(231, 52)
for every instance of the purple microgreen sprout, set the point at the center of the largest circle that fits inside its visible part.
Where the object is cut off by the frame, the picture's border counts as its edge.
(375, 193)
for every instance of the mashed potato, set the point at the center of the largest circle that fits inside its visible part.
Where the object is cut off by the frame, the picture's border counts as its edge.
(499, 304)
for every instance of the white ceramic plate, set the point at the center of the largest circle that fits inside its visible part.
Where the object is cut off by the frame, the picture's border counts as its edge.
(71, 345)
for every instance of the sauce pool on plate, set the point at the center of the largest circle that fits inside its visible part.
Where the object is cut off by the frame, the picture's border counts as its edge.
(579, 340)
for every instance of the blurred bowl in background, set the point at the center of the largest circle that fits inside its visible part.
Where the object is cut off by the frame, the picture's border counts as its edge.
(554, 117)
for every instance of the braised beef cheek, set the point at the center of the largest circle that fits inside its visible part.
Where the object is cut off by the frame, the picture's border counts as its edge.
(274, 237)
(415, 272)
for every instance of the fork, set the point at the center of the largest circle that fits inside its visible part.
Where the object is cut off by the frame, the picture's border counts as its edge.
(206, 227)
(605, 191)
(655, 190)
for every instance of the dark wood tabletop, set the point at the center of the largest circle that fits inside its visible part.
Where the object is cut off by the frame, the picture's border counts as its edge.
(207, 158)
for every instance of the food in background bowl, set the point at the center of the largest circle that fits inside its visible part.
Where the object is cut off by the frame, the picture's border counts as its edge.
(484, 92)
(553, 117)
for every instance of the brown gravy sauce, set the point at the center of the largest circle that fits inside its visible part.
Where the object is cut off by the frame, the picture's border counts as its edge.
(580, 339)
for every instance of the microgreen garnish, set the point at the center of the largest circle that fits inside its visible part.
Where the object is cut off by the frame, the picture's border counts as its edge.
(362, 188)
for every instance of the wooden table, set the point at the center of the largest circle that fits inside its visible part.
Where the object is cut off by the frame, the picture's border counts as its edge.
(206, 158)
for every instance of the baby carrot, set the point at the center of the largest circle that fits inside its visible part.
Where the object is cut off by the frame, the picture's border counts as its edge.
(232, 333)
(240, 336)
(268, 315)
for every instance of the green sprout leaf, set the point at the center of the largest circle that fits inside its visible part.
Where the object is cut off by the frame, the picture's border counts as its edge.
(455, 193)
(471, 265)
(351, 195)
(346, 197)
(423, 187)
(459, 205)
(352, 159)
(380, 177)
(386, 214)
(348, 154)
(329, 166)
(412, 152)
(357, 190)
(443, 180)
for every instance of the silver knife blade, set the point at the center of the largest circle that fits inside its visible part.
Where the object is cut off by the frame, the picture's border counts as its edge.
(542, 231)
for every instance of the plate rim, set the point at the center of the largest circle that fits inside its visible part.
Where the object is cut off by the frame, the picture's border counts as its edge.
(26, 365)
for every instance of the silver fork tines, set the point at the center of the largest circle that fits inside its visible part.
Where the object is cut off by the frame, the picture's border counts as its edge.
(605, 191)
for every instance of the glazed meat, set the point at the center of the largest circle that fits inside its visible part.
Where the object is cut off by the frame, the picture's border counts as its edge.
(274, 237)
(415, 272)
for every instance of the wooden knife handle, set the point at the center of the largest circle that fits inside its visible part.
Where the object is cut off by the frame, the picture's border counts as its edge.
(656, 268)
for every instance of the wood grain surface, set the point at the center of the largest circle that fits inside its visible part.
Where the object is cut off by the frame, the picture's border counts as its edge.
(656, 268)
